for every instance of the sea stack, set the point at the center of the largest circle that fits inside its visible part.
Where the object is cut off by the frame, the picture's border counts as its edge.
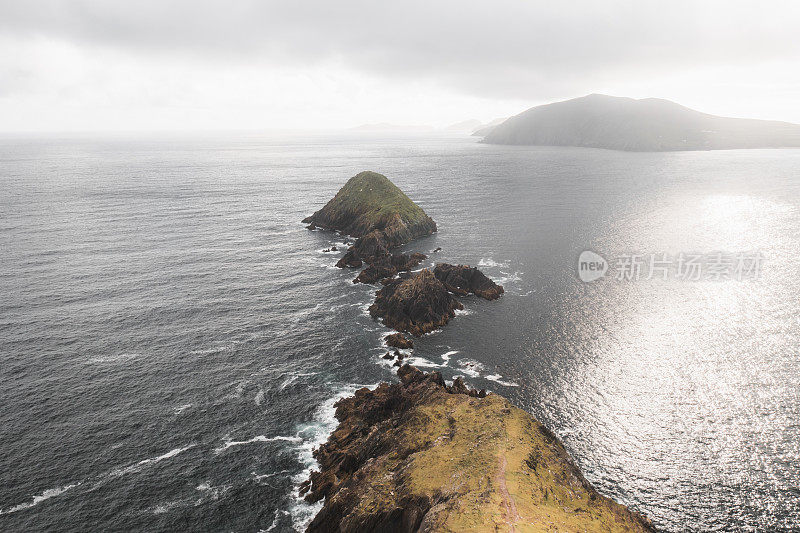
(381, 217)
(421, 456)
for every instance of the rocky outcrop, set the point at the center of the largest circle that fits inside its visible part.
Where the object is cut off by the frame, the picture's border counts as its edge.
(398, 340)
(373, 209)
(388, 266)
(462, 280)
(416, 304)
(420, 456)
(369, 202)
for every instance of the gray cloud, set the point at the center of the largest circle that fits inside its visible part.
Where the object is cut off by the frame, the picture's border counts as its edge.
(498, 49)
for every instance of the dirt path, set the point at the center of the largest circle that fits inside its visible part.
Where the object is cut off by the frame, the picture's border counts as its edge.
(508, 501)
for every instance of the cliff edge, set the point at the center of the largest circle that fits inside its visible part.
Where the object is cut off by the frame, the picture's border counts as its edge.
(423, 456)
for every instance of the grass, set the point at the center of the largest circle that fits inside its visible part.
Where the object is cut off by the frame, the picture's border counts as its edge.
(374, 200)
(497, 469)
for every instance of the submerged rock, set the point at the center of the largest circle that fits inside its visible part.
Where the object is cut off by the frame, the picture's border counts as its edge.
(462, 280)
(398, 340)
(420, 456)
(416, 304)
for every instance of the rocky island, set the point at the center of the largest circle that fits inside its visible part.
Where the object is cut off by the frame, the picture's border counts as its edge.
(381, 217)
(422, 455)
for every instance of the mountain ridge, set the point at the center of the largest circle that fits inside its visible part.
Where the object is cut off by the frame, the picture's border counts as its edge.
(646, 124)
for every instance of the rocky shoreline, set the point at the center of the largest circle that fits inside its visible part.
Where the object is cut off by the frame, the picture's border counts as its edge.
(422, 455)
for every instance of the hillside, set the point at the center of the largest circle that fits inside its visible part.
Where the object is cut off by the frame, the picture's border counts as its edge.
(649, 124)
(423, 456)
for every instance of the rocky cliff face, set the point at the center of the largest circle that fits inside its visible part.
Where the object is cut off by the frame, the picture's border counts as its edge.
(421, 456)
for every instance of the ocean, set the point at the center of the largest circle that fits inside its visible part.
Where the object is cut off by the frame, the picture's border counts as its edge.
(172, 338)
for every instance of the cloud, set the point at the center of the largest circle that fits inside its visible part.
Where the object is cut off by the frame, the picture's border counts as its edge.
(506, 51)
(505, 48)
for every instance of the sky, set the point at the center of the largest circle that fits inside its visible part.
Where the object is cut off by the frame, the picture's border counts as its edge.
(109, 65)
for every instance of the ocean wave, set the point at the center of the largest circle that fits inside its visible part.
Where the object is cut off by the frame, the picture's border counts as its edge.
(258, 438)
(507, 278)
(181, 408)
(446, 355)
(470, 367)
(490, 262)
(313, 436)
(497, 378)
(274, 524)
(421, 362)
(293, 377)
(147, 462)
(46, 495)
(259, 399)
(115, 358)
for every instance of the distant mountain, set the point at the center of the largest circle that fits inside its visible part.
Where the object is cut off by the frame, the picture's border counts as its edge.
(484, 129)
(467, 126)
(645, 125)
(383, 126)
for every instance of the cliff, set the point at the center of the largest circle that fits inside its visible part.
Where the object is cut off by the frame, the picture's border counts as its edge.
(421, 456)
(649, 124)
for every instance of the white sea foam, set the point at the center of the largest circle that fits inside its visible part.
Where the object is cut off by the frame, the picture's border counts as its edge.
(278, 514)
(147, 462)
(465, 311)
(39, 498)
(421, 362)
(181, 408)
(490, 262)
(470, 367)
(294, 376)
(446, 355)
(259, 399)
(314, 435)
(497, 378)
(506, 278)
(113, 359)
(258, 438)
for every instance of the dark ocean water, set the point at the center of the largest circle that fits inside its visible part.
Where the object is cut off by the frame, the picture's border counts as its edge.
(172, 339)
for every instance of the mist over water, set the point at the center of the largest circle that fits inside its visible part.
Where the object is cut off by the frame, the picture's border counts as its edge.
(172, 339)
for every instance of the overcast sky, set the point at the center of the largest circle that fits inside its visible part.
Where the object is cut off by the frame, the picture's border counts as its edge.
(196, 64)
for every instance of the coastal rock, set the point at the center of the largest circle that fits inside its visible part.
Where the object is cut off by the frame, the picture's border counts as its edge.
(398, 340)
(416, 304)
(420, 456)
(373, 209)
(369, 202)
(388, 266)
(462, 280)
